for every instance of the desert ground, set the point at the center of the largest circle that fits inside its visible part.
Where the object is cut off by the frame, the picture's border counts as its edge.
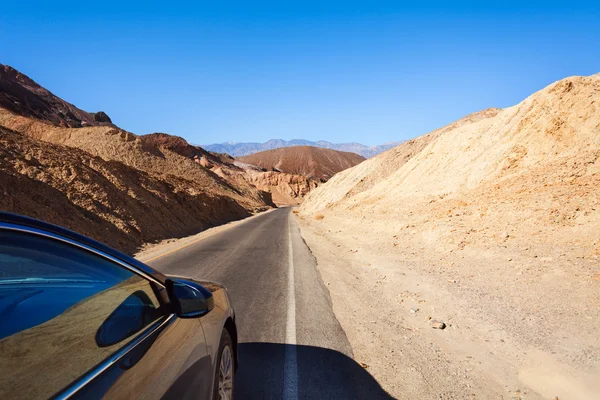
(521, 320)
(488, 228)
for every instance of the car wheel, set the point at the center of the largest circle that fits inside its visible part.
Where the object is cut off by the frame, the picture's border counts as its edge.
(225, 369)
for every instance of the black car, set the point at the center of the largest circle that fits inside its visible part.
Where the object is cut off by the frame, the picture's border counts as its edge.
(81, 320)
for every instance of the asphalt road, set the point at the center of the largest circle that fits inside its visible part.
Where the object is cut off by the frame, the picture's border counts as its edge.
(291, 344)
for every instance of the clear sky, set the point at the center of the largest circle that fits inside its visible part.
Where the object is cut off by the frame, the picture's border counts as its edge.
(370, 71)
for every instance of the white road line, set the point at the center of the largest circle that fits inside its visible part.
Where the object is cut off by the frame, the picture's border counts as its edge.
(290, 366)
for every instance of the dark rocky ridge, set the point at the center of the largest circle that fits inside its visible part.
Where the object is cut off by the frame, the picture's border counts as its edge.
(23, 96)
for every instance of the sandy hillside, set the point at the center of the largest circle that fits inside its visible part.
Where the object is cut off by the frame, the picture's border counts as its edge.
(116, 144)
(490, 225)
(312, 162)
(365, 175)
(106, 200)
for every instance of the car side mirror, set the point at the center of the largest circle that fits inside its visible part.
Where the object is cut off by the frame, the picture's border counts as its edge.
(189, 298)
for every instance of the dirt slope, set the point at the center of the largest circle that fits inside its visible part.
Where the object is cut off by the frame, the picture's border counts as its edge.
(490, 225)
(557, 123)
(115, 144)
(107, 200)
(21, 95)
(362, 177)
(312, 162)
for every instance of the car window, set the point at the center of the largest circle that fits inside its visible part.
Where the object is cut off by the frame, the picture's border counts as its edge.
(63, 310)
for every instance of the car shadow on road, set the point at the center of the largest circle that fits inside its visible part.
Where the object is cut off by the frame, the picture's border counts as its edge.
(321, 374)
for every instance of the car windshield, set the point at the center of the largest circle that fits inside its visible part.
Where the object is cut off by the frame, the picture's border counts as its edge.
(32, 259)
(20, 268)
(36, 271)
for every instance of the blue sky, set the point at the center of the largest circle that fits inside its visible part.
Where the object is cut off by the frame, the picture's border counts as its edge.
(370, 72)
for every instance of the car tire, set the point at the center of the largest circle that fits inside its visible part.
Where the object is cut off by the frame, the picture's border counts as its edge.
(225, 371)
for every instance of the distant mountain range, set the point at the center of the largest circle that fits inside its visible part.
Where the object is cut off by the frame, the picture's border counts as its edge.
(243, 149)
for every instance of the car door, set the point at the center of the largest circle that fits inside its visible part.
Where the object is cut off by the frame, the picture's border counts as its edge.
(75, 322)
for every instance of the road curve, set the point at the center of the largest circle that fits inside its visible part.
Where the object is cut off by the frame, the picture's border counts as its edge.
(291, 344)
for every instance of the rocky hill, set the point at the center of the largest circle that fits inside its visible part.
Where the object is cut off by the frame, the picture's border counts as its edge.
(21, 95)
(118, 145)
(312, 162)
(490, 225)
(104, 199)
(284, 188)
(244, 149)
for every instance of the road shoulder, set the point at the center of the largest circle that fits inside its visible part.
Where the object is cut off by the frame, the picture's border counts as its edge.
(372, 298)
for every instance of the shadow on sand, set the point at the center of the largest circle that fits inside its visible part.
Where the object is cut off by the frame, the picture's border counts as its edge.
(321, 374)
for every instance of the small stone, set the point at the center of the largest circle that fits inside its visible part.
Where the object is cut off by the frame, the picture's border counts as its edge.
(101, 116)
(365, 366)
(428, 318)
(414, 310)
(509, 259)
(503, 235)
(438, 324)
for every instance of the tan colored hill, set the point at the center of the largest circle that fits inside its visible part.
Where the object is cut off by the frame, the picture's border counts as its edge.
(313, 162)
(490, 225)
(107, 200)
(116, 144)
(191, 188)
(368, 173)
(556, 124)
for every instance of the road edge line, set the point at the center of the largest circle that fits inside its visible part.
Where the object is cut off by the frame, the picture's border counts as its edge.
(290, 366)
